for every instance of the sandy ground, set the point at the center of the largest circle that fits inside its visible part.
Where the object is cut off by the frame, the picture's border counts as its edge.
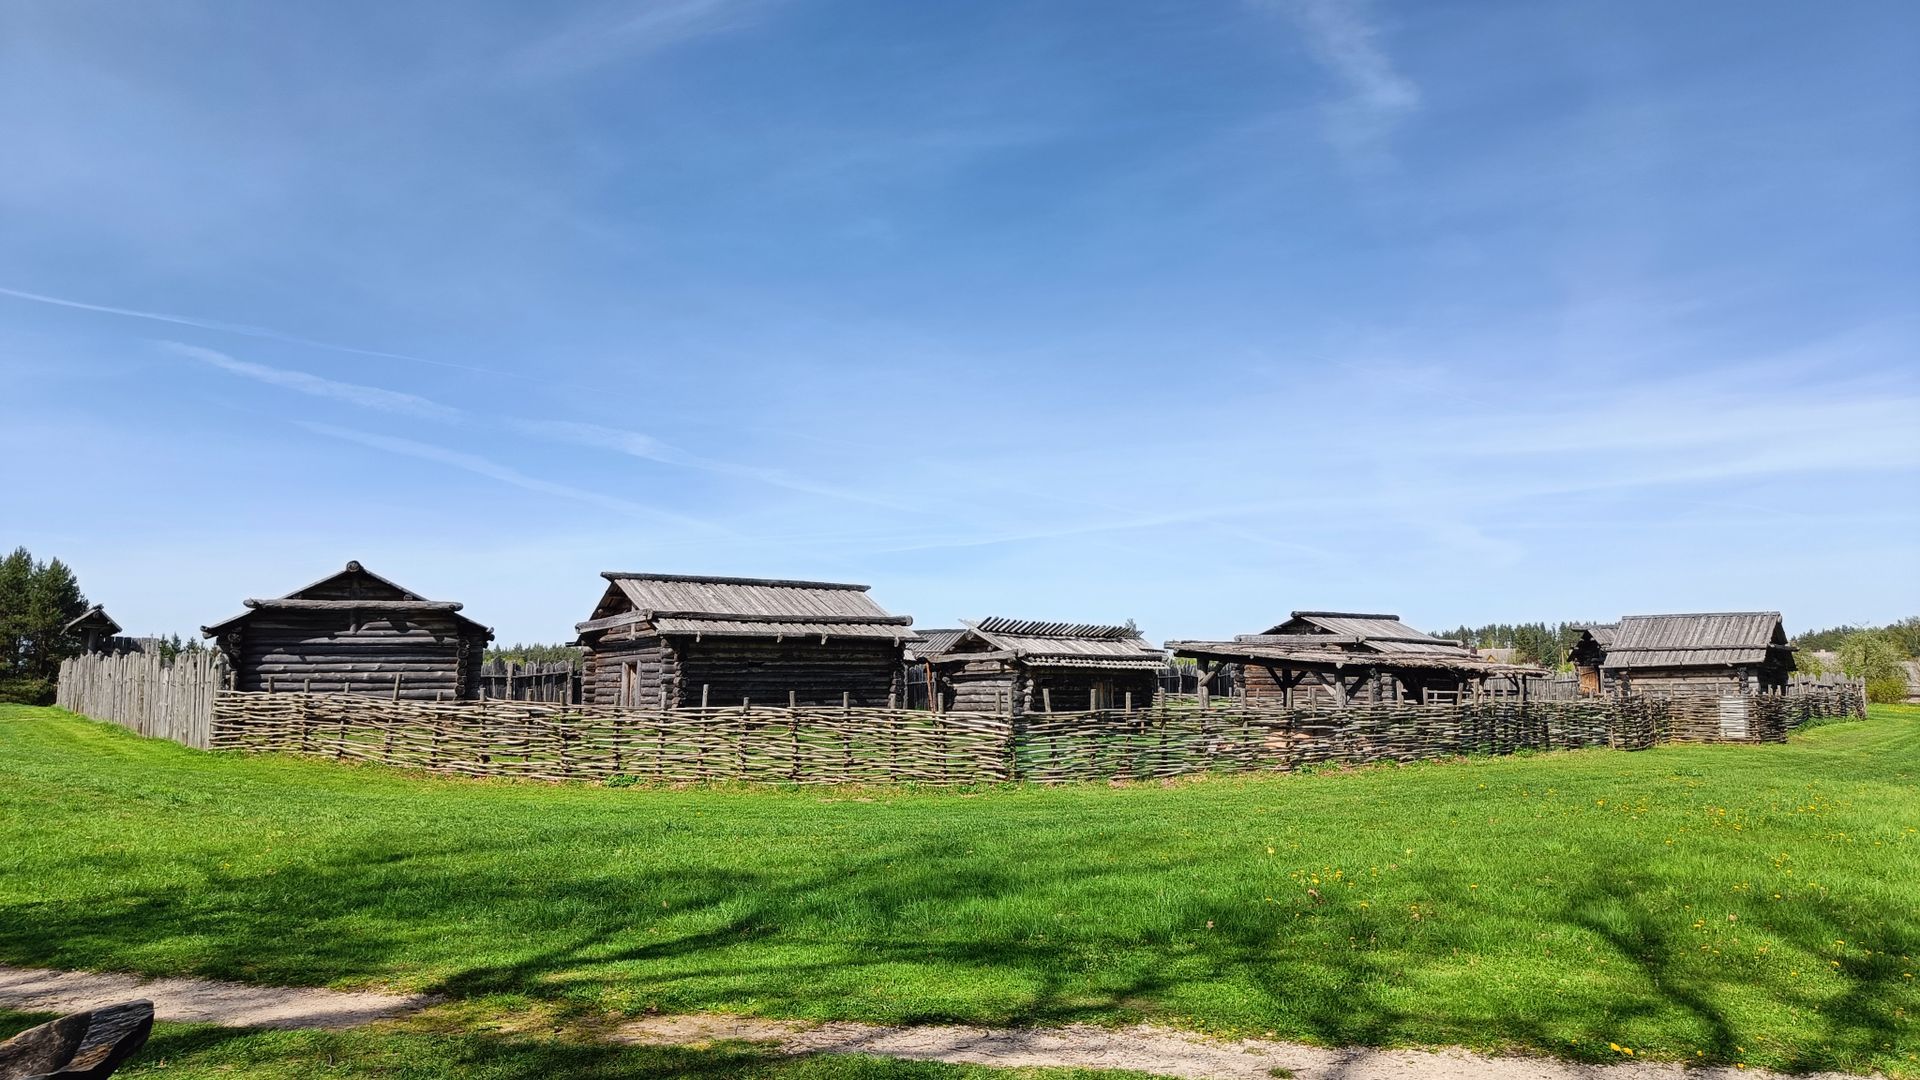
(1158, 1051)
(200, 1001)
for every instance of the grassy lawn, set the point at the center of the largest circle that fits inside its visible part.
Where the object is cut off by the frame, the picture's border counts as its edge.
(192, 1052)
(1728, 904)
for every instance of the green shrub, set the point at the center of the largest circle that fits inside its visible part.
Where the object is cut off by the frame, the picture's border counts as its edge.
(26, 691)
(1887, 690)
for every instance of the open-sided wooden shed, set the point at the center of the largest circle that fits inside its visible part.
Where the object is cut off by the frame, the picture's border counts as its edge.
(665, 640)
(1728, 652)
(354, 632)
(1346, 657)
(1000, 665)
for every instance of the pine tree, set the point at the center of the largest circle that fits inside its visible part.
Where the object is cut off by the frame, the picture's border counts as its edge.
(37, 601)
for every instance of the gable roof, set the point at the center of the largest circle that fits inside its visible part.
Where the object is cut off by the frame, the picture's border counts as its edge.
(1349, 639)
(746, 607)
(1059, 644)
(1360, 633)
(94, 618)
(355, 588)
(1727, 637)
(936, 642)
(1602, 634)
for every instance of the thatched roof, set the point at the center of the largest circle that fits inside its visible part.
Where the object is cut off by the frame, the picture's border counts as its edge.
(366, 591)
(1667, 641)
(685, 604)
(1059, 644)
(94, 618)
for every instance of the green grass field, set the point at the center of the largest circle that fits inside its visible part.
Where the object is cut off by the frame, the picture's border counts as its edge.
(1727, 904)
(194, 1052)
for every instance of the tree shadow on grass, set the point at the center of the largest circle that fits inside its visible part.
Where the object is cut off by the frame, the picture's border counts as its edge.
(848, 938)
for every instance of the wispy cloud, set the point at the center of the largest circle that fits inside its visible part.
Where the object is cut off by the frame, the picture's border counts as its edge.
(493, 470)
(366, 397)
(646, 447)
(1345, 39)
(620, 30)
(234, 328)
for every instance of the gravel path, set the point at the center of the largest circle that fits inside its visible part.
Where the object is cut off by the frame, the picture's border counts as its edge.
(201, 1001)
(1159, 1051)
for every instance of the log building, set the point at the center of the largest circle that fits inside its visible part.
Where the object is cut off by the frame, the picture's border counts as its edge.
(1011, 665)
(1589, 652)
(95, 628)
(354, 632)
(666, 640)
(1348, 657)
(1725, 652)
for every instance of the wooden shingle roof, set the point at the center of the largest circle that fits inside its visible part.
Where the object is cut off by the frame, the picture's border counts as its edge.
(1665, 641)
(1345, 638)
(94, 618)
(1063, 644)
(355, 588)
(749, 607)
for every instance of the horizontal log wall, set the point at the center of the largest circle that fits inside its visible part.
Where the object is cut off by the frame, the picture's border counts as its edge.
(875, 745)
(422, 657)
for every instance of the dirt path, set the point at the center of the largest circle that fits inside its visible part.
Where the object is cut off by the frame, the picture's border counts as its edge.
(1159, 1051)
(201, 1001)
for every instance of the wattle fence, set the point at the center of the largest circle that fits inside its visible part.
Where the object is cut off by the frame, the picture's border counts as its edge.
(546, 741)
(187, 702)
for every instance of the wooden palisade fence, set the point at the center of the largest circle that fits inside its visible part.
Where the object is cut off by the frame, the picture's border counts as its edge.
(142, 692)
(827, 745)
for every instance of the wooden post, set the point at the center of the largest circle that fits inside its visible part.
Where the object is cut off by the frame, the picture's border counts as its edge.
(1046, 698)
(703, 695)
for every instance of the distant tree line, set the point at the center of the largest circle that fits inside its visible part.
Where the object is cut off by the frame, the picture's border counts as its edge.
(1542, 644)
(536, 654)
(37, 600)
(1904, 634)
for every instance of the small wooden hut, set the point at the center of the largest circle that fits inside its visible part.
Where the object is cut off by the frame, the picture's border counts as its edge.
(1347, 657)
(354, 632)
(1002, 665)
(95, 628)
(1589, 651)
(665, 640)
(1727, 652)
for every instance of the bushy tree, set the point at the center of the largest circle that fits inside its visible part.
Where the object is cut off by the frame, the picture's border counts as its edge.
(1877, 658)
(37, 600)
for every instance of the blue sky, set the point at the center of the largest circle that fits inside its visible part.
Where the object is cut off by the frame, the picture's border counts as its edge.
(1190, 312)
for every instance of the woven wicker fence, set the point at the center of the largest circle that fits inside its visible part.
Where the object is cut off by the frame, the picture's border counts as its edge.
(549, 741)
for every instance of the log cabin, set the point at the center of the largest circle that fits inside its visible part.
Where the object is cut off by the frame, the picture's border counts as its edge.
(1020, 667)
(1723, 652)
(667, 640)
(1344, 657)
(354, 632)
(95, 628)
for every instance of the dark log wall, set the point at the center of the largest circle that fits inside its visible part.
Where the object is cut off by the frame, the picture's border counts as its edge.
(766, 671)
(1072, 689)
(1260, 686)
(356, 653)
(982, 686)
(656, 669)
(994, 686)
(1725, 680)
